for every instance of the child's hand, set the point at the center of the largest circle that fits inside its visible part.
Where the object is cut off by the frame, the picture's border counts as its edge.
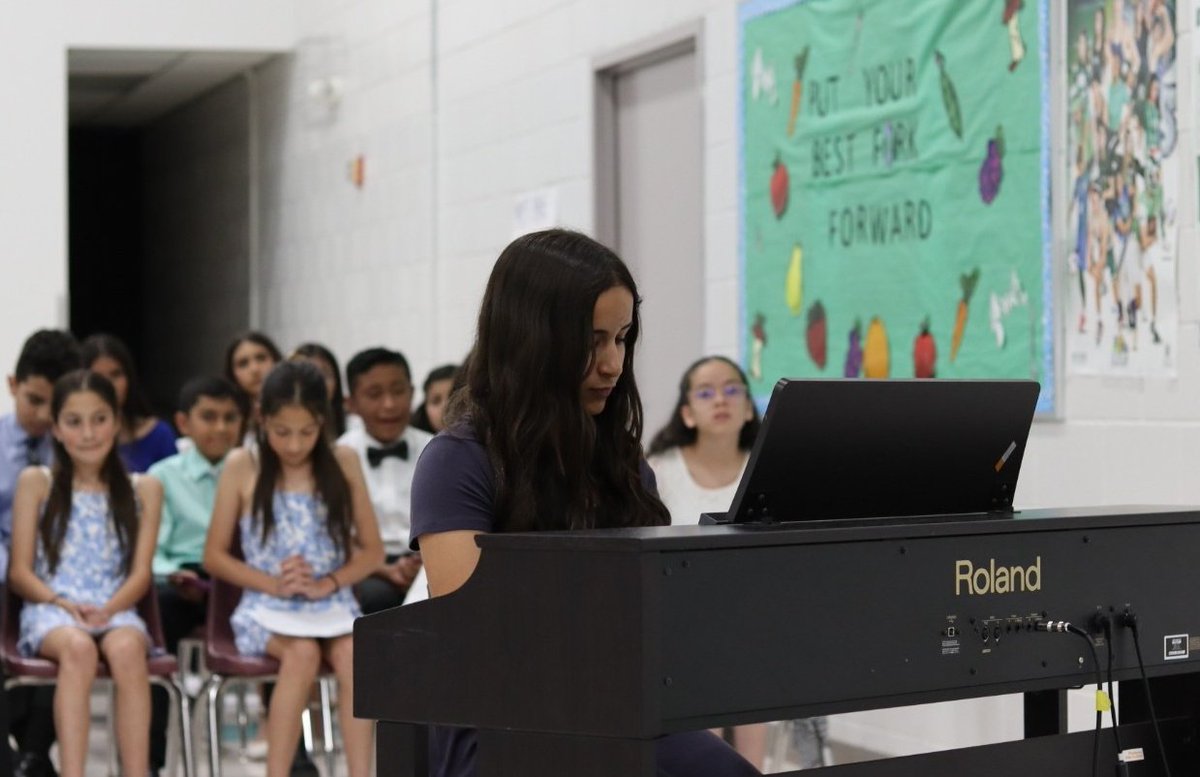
(74, 610)
(295, 577)
(190, 586)
(296, 566)
(402, 572)
(288, 586)
(93, 617)
(321, 588)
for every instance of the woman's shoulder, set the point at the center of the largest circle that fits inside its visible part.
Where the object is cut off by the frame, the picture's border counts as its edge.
(453, 487)
(456, 449)
(463, 432)
(453, 456)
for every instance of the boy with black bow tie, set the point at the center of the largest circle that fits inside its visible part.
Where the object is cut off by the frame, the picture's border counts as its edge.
(381, 394)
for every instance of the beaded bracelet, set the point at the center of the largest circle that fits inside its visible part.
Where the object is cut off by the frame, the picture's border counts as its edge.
(336, 585)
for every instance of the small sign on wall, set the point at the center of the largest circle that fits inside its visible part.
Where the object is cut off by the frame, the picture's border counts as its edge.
(535, 210)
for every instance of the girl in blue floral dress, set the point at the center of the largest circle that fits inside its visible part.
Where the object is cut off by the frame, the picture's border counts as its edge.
(307, 530)
(82, 544)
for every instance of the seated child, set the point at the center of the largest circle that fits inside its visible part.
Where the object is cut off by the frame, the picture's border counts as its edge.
(144, 438)
(381, 394)
(25, 440)
(211, 415)
(301, 511)
(324, 360)
(435, 394)
(83, 538)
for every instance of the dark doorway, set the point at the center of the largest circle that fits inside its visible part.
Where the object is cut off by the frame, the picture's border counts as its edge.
(105, 250)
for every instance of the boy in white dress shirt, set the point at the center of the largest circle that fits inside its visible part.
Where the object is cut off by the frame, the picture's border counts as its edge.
(381, 394)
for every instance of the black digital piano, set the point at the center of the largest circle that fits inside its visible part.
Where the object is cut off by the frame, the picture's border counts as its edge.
(571, 652)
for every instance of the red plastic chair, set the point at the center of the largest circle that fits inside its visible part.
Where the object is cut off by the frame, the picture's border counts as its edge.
(227, 666)
(162, 667)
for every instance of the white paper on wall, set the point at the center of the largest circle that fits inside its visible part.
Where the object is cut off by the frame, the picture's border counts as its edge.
(535, 210)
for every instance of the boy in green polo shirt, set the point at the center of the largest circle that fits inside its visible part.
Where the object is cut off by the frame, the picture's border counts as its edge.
(210, 415)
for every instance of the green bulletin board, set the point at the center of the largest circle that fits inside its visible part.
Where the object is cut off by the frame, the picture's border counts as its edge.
(895, 190)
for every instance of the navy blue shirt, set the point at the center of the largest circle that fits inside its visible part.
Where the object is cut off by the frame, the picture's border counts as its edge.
(158, 444)
(454, 490)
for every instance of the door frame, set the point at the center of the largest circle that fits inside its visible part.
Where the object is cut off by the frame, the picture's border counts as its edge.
(687, 38)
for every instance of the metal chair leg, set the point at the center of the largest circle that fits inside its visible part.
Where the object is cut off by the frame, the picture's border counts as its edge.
(185, 732)
(114, 768)
(212, 695)
(173, 761)
(306, 728)
(327, 725)
(182, 707)
(243, 724)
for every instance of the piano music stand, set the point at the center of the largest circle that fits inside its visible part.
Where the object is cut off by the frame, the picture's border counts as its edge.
(860, 449)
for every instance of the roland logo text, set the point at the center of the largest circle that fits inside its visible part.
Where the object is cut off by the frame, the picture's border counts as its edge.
(991, 579)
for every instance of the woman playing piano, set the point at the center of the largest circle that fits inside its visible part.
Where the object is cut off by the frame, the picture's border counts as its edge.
(544, 434)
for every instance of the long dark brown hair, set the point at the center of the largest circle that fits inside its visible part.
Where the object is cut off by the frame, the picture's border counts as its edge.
(300, 383)
(676, 433)
(420, 417)
(249, 421)
(137, 408)
(258, 338)
(122, 503)
(336, 420)
(555, 465)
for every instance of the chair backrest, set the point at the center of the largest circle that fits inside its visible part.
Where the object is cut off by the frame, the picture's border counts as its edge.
(10, 623)
(147, 607)
(223, 598)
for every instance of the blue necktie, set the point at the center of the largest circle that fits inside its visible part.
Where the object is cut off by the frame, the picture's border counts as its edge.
(32, 458)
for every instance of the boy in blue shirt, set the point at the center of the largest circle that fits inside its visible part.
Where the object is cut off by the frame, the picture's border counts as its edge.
(210, 414)
(46, 356)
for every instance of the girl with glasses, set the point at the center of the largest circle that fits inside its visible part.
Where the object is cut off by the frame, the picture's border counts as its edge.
(698, 457)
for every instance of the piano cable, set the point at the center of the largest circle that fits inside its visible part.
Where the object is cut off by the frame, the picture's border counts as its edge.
(1129, 619)
(1103, 702)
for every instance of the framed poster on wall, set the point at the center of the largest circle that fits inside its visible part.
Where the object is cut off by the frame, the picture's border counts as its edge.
(1124, 169)
(894, 199)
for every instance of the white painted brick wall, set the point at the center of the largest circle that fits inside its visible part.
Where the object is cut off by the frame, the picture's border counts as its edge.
(514, 92)
(404, 260)
(34, 41)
